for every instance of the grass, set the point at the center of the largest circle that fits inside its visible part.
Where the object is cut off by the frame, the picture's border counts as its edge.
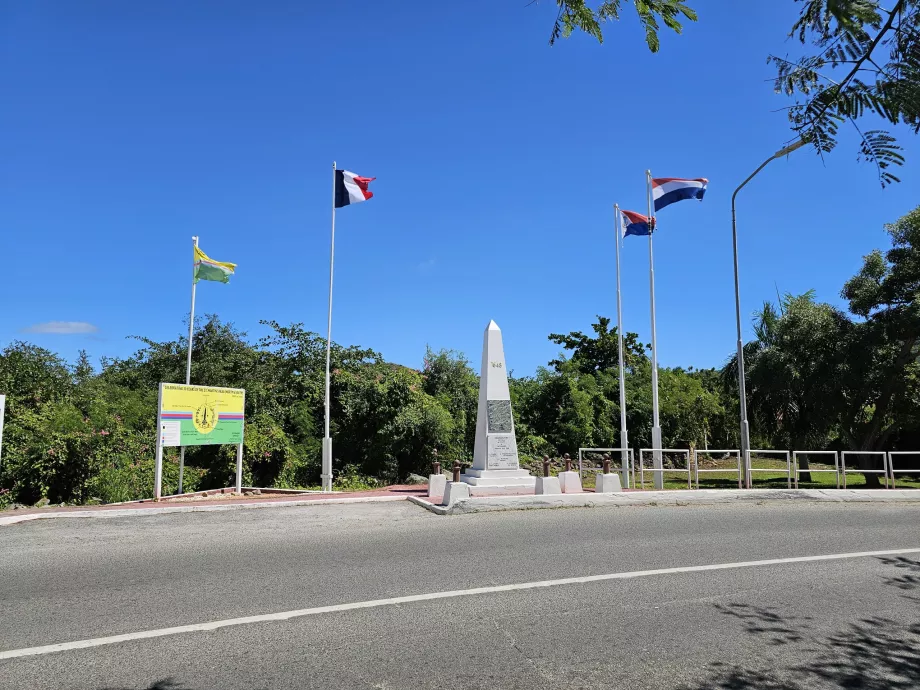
(773, 478)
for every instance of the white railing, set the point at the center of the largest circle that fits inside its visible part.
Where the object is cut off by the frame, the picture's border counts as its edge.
(696, 464)
(793, 471)
(784, 453)
(616, 463)
(670, 451)
(891, 454)
(843, 464)
(797, 471)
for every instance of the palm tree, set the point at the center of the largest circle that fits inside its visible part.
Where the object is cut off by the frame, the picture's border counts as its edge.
(785, 404)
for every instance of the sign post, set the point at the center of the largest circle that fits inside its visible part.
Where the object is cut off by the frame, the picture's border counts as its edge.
(198, 416)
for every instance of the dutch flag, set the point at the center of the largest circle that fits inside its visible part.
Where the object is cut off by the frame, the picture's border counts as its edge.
(668, 190)
(351, 188)
(635, 224)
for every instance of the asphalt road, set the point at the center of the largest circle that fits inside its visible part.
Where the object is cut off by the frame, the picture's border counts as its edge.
(836, 623)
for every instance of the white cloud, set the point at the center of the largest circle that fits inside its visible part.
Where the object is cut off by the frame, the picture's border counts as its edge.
(62, 327)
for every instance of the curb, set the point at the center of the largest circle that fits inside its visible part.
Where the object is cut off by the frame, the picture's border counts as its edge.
(162, 510)
(700, 497)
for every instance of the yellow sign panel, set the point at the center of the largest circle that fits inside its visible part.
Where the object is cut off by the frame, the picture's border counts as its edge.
(200, 415)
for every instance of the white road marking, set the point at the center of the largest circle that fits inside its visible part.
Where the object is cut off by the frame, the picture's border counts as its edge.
(374, 603)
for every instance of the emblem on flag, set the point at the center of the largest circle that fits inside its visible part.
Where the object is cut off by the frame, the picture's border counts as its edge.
(635, 224)
(208, 269)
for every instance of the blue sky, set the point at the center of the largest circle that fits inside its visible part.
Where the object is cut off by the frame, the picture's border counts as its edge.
(129, 127)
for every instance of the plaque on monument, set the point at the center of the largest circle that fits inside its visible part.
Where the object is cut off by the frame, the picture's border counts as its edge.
(502, 453)
(495, 456)
(500, 421)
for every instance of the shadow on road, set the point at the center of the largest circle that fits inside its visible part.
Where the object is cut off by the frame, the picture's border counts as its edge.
(871, 654)
(165, 684)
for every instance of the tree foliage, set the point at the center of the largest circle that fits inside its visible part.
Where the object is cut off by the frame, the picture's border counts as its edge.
(864, 59)
(580, 15)
(861, 58)
(817, 376)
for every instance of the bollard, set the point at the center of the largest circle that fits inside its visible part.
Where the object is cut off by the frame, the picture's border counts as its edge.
(569, 481)
(606, 463)
(457, 468)
(436, 464)
(545, 465)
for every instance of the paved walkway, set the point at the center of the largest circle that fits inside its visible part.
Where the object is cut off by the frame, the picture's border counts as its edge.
(396, 491)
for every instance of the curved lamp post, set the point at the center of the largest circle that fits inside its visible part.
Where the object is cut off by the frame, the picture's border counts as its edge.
(742, 394)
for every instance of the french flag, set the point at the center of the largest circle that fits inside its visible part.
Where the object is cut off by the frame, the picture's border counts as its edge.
(668, 190)
(635, 224)
(351, 188)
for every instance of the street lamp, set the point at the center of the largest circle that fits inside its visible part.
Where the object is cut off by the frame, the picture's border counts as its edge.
(742, 395)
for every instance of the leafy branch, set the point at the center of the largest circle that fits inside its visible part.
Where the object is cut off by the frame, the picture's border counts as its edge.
(848, 35)
(578, 14)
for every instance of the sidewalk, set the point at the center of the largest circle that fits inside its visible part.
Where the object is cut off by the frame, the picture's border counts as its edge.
(476, 504)
(398, 492)
(672, 497)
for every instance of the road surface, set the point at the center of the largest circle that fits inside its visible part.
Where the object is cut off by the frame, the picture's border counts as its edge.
(604, 598)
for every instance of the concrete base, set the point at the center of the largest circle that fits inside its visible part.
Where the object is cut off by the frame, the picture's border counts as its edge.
(607, 483)
(548, 485)
(436, 484)
(454, 491)
(570, 482)
(492, 478)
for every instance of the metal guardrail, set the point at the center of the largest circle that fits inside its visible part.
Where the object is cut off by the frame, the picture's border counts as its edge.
(616, 460)
(891, 469)
(784, 453)
(710, 451)
(797, 471)
(793, 470)
(843, 464)
(672, 451)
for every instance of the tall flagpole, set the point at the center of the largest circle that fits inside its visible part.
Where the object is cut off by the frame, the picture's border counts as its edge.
(326, 475)
(188, 362)
(656, 423)
(624, 443)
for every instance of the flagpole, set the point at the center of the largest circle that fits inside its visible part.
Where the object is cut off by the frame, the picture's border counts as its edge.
(326, 475)
(188, 363)
(624, 443)
(656, 424)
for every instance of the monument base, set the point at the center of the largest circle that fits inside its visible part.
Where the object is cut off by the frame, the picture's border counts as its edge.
(503, 478)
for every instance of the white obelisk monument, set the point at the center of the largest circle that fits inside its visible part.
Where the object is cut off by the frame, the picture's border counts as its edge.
(495, 456)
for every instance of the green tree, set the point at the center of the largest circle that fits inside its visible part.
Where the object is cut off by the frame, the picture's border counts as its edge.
(32, 376)
(600, 352)
(880, 370)
(451, 381)
(791, 368)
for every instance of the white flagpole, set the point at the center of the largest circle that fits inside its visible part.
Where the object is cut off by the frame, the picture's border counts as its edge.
(624, 444)
(188, 364)
(326, 475)
(656, 423)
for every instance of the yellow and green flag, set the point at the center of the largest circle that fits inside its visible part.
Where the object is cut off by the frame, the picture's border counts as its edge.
(208, 269)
